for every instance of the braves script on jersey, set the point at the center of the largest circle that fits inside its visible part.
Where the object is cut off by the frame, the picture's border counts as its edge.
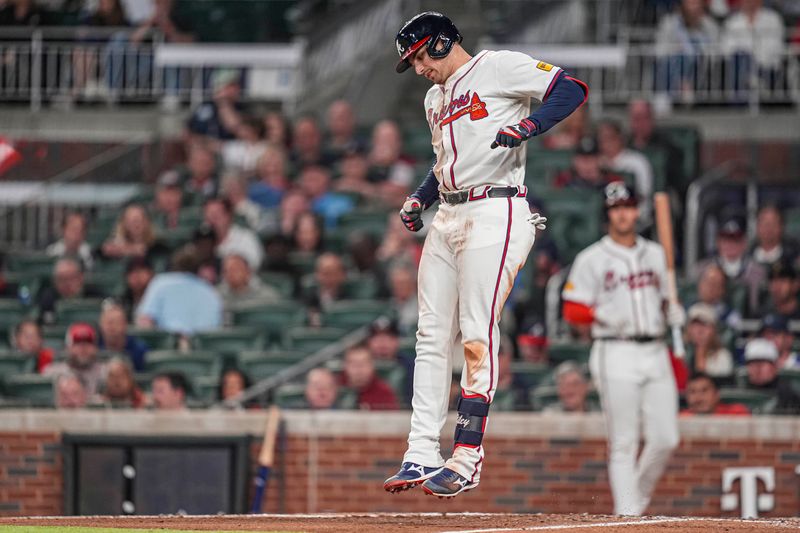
(625, 286)
(493, 89)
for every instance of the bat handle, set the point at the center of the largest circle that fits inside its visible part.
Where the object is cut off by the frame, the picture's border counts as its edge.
(677, 342)
(494, 145)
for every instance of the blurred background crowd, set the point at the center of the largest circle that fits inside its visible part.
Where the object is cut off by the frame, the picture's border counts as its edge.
(264, 235)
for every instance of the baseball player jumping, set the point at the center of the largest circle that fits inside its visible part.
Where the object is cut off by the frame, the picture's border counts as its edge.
(619, 286)
(479, 114)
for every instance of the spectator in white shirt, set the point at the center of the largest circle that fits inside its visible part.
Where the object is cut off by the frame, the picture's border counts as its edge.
(756, 31)
(244, 152)
(73, 240)
(618, 158)
(232, 239)
(234, 189)
(687, 31)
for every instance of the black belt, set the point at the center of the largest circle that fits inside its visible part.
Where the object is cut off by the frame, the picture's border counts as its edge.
(635, 338)
(460, 197)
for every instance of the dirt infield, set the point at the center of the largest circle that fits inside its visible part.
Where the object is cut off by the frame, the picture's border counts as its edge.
(423, 523)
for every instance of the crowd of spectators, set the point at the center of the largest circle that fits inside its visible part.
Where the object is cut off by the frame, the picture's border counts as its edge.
(257, 195)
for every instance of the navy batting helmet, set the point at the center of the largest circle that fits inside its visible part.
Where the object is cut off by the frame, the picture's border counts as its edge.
(427, 28)
(619, 193)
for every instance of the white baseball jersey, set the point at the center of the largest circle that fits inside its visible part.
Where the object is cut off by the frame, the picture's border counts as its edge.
(625, 286)
(492, 90)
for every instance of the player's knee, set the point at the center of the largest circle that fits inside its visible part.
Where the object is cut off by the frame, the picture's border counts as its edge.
(623, 447)
(667, 443)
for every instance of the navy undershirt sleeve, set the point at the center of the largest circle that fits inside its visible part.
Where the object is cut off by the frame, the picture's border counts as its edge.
(428, 191)
(565, 96)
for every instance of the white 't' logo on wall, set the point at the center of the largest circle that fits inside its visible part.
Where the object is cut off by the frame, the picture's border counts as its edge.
(748, 498)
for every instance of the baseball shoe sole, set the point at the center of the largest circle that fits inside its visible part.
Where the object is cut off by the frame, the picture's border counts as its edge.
(447, 484)
(409, 476)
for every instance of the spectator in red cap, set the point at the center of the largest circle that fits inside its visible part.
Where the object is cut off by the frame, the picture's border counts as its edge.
(359, 374)
(532, 344)
(28, 339)
(702, 398)
(81, 346)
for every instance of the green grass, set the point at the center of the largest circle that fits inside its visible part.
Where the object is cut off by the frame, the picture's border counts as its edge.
(78, 529)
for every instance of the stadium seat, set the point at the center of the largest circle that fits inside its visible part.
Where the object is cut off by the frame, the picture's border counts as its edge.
(394, 374)
(12, 312)
(759, 402)
(156, 339)
(54, 336)
(569, 352)
(371, 222)
(290, 396)
(12, 362)
(356, 287)
(542, 396)
(504, 401)
(302, 262)
(230, 340)
(578, 223)
(205, 389)
(792, 375)
(107, 283)
(792, 218)
(33, 263)
(532, 374)
(35, 388)
(31, 280)
(351, 314)
(309, 339)
(77, 310)
(273, 318)
(280, 281)
(543, 165)
(687, 139)
(191, 364)
(263, 364)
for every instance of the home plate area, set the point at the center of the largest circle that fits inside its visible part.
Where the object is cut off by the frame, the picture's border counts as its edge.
(402, 522)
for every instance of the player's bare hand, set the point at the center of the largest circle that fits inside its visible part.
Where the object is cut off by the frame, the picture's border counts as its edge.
(676, 316)
(411, 214)
(513, 136)
(538, 221)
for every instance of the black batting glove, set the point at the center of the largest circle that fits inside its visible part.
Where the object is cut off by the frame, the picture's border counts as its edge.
(513, 136)
(411, 214)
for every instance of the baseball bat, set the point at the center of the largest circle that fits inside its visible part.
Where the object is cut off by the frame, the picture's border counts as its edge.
(265, 458)
(667, 240)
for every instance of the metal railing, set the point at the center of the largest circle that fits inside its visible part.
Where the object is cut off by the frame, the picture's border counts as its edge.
(50, 66)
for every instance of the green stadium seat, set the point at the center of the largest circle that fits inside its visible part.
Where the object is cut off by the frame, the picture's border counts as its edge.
(371, 222)
(107, 283)
(205, 389)
(12, 312)
(272, 318)
(394, 374)
(792, 220)
(417, 143)
(302, 262)
(12, 362)
(54, 336)
(280, 281)
(504, 401)
(290, 396)
(78, 310)
(759, 402)
(578, 223)
(34, 388)
(38, 263)
(531, 373)
(263, 364)
(542, 396)
(176, 237)
(109, 266)
(191, 364)
(31, 280)
(569, 352)
(687, 139)
(543, 165)
(356, 287)
(309, 339)
(156, 339)
(351, 314)
(230, 340)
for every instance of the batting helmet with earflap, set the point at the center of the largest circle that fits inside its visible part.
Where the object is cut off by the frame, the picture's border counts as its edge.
(428, 28)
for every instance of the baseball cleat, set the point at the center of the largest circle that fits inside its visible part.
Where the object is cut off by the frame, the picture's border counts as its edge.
(446, 484)
(409, 476)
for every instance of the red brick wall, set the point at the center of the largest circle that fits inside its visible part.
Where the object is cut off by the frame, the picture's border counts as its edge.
(30, 474)
(520, 475)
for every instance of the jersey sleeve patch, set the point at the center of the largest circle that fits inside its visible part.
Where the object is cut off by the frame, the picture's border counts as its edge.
(569, 286)
(547, 67)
